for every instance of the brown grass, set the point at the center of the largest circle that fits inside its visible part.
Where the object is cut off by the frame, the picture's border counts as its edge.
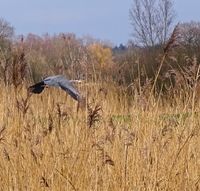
(46, 145)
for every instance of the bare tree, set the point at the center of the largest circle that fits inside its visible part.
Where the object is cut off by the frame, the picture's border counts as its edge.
(6, 30)
(190, 34)
(152, 21)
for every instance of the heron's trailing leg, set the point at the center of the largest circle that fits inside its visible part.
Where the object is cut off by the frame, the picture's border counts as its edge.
(81, 104)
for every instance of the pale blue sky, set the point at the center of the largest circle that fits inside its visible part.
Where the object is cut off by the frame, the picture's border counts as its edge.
(102, 19)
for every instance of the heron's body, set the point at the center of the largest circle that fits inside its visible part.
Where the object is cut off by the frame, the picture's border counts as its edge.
(56, 81)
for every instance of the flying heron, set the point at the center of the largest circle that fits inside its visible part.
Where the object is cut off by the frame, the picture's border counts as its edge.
(57, 81)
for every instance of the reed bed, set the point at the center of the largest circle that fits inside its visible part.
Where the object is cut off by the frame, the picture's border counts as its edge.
(113, 144)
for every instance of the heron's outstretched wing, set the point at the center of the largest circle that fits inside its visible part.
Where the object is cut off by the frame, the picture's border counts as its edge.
(68, 87)
(37, 88)
(56, 81)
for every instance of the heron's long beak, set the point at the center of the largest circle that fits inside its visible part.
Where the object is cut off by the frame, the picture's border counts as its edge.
(76, 81)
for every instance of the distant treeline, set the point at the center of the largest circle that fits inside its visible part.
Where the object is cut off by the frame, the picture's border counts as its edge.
(31, 57)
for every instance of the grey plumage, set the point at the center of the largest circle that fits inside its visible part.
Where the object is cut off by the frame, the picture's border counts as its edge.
(56, 81)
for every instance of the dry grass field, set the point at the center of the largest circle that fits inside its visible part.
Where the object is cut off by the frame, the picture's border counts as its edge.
(116, 144)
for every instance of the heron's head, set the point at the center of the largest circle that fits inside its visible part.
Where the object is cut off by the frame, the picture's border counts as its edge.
(48, 82)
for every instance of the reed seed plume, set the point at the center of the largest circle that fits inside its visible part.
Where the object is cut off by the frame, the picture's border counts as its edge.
(2, 133)
(6, 154)
(93, 115)
(173, 40)
(44, 182)
(23, 103)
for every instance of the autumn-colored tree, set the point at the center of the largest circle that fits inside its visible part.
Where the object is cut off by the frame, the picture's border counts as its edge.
(101, 60)
(57, 54)
(102, 54)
